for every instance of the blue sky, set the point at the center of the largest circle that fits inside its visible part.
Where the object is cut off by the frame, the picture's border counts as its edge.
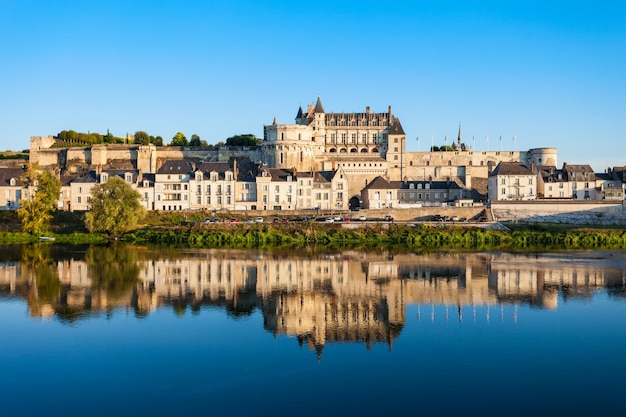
(549, 72)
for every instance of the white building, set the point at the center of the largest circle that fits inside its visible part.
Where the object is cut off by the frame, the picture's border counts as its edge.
(512, 181)
(171, 185)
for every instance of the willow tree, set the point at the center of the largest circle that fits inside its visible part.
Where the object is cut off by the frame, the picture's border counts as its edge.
(115, 208)
(37, 208)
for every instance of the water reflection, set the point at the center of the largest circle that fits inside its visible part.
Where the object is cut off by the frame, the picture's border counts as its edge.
(347, 296)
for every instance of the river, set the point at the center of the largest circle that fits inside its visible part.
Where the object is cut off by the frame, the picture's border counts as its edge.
(123, 330)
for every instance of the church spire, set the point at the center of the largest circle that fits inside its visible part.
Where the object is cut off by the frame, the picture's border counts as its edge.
(459, 138)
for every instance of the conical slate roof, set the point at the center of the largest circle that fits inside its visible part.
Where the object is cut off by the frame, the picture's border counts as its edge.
(318, 106)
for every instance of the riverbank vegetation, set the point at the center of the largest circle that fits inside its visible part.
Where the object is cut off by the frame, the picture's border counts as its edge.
(174, 229)
(373, 236)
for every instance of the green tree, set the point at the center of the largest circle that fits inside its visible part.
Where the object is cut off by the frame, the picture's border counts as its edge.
(158, 141)
(37, 208)
(243, 140)
(115, 208)
(179, 139)
(142, 138)
(196, 141)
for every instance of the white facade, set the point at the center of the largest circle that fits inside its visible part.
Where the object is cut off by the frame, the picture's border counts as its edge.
(512, 181)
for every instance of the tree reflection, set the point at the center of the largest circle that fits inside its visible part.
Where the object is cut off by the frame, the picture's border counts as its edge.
(114, 272)
(44, 286)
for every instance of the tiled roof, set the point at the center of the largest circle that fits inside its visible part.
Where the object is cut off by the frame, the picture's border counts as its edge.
(396, 127)
(175, 166)
(379, 183)
(511, 168)
(7, 173)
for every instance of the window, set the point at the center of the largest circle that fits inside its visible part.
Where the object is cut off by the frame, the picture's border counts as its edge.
(530, 181)
(503, 182)
(395, 140)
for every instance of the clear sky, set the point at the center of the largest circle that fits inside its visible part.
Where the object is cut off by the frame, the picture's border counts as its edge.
(552, 73)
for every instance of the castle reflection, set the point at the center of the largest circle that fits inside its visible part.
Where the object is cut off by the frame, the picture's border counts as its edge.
(347, 296)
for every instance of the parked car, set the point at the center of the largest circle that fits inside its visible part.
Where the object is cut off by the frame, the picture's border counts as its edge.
(330, 220)
(388, 218)
(259, 220)
(362, 218)
(337, 218)
(250, 220)
(346, 220)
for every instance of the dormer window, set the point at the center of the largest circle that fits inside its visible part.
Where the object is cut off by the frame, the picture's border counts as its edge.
(128, 177)
(13, 182)
(104, 177)
(198, 176)
(229, 176)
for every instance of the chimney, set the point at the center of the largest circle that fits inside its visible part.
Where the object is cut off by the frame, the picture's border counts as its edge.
(367, 110)
(390, 115)
(235, 173)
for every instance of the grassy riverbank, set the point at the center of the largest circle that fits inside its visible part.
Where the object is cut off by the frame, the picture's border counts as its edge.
(374, 236)
(187, 230)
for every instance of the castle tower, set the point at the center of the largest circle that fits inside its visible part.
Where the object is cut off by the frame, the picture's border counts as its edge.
(396, 142)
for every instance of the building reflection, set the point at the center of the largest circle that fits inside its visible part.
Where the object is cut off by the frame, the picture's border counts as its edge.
(345, 297)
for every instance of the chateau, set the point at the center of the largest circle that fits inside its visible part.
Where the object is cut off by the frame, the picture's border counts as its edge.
(323, 160)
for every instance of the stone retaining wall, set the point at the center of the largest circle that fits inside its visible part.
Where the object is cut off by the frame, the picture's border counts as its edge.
(580, 212)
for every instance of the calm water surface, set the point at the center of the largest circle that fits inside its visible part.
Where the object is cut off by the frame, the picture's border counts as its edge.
(129, 331)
